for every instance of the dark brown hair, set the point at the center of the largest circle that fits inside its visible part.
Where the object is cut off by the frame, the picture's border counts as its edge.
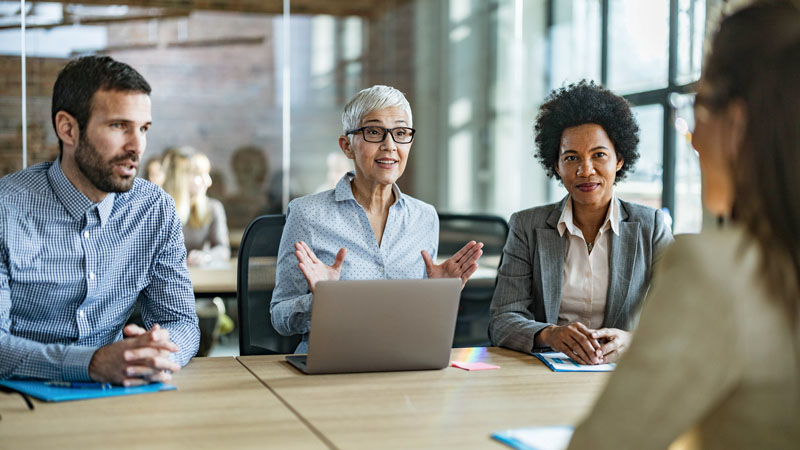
(755, 58)
(81, 78)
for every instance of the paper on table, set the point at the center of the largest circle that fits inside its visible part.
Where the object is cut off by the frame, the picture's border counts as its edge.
(536, 438)
(559, 362)
(473, 365)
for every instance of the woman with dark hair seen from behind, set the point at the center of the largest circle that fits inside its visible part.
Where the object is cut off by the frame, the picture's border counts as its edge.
(717, 352)
(574, 272)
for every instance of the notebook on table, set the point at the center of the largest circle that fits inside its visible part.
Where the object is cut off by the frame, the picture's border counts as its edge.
(381, 325)
(61, 391)
(559, 362)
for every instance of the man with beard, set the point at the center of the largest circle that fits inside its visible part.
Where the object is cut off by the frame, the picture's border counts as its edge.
(81, 239)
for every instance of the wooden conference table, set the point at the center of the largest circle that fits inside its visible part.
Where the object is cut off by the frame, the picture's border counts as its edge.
(215, 281)
(218, 404)
(263, 402)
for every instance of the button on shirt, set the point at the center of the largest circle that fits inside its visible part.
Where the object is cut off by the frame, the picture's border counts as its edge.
(585, 285)
(331, 220)
(71, 271)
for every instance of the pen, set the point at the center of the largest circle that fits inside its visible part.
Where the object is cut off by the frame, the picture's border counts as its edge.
(78, 385)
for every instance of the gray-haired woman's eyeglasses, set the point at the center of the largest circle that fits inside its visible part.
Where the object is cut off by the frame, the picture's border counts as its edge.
(374, 133)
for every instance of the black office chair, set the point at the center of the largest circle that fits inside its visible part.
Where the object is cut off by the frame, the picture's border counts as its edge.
(455, 230)
(255, 282)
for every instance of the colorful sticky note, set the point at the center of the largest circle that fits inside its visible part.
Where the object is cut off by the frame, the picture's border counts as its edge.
(473, 365)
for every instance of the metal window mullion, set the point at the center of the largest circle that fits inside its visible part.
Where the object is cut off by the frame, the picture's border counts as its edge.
(23, 84)
(445, 65)
(482, 155)
(286, 96)
(668, 176)
(604, 42)
(548, 67)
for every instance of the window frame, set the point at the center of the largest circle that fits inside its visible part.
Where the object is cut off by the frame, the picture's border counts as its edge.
(659, 96)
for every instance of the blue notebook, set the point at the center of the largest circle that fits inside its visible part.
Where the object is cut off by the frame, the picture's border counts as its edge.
(48, 393)
(559, 362)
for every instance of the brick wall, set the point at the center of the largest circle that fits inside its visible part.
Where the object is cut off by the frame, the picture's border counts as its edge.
(42, 143)
(216, 87)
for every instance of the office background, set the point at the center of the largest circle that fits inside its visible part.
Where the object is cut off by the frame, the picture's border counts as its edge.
(250, 77)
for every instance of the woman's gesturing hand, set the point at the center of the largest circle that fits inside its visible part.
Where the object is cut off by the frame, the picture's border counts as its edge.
(461, 265)
(315, 270)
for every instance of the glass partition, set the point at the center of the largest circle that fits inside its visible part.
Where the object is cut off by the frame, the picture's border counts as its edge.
(691, 31)
(644, 184)
(575, 48)
(638, 44)
(475, 73)
(688, 186)
(215, 82)
(262, 96)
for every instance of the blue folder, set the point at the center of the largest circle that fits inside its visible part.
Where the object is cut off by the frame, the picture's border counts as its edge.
(48, 393)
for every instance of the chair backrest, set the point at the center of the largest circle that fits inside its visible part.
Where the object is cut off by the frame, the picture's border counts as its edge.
(455, 230)
(258, 256)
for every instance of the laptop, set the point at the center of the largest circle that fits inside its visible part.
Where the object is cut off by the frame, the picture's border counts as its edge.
(381, 325)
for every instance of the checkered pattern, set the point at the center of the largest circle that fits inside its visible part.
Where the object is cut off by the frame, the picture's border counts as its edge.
(333, 219)
(71, 271)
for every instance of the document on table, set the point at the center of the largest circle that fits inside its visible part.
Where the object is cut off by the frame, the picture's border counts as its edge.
(559, 362)
(52, 392)
(536, 438)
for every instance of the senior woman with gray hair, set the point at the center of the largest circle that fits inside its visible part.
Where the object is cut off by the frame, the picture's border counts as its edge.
(364, 228)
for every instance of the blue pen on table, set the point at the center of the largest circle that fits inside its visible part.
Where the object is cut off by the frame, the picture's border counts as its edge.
(78, 384)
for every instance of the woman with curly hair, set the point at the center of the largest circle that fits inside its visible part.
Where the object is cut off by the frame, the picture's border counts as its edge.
(574, 272)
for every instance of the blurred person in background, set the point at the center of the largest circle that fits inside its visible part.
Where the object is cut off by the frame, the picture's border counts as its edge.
(250, 169)
(205, 229)
(154, 171)
(337, 165)
(716, 358)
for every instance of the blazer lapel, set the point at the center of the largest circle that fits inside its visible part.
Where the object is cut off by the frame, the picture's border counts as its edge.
(621, 261)
(551, 248)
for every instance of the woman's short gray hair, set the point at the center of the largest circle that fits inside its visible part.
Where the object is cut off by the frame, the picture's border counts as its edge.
(370, 100)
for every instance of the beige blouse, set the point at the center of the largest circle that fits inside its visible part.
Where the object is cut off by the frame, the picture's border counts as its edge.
(715, 356)
(585, 284)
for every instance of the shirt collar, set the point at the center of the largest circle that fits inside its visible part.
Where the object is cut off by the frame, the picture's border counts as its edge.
(344, 191)
(565, 222)
(73, 200)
